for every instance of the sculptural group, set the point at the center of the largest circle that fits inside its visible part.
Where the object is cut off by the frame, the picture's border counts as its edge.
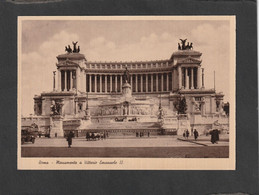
(55, 108)
(184, 46)
(68, 49)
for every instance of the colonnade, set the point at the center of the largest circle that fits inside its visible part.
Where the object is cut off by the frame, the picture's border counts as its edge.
(140, 82)
(66, 80)
(190, 77)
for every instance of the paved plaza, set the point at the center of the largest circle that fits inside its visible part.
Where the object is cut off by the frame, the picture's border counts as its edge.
(129, 141)
(168, 146)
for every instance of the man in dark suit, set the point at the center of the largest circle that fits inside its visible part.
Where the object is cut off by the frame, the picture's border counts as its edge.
(69, 138)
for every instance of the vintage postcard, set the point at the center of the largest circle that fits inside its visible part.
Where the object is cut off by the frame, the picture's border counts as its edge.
(126, 93)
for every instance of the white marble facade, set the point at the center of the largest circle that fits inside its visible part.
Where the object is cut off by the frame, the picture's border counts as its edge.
(83, 85)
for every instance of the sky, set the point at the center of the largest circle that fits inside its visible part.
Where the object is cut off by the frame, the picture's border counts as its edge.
(119, 40)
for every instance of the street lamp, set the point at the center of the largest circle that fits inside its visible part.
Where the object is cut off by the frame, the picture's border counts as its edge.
(54, 73)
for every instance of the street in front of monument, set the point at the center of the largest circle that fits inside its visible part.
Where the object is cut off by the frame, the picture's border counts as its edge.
(165, 147)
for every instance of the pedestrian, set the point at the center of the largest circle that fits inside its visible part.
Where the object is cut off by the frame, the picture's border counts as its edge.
(148, 134)
(69, 138)
(214, 136)
(187, 134)
(184, 134)
(196, 134)
(87, 136)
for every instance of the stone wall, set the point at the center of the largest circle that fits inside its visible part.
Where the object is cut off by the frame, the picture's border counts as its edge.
(205, 123)
(42, 122)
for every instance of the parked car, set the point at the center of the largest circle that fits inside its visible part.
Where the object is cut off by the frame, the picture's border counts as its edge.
(94, 136)
(27, 136)
(45, 133)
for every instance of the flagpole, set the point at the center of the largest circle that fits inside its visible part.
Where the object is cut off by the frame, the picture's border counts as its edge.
(214, 82)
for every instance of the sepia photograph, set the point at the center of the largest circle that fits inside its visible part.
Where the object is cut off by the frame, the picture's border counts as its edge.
(126, 92)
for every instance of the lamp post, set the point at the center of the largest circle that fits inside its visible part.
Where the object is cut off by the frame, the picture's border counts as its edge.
(202, 77)
(178, 107)
(178, 117)
(54, 73)
(86, 109)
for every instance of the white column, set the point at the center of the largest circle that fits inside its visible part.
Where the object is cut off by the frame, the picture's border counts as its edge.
(173, 80)
(78, 79)
(141, 83)
(90, 83)
(65, 80)
(86, 82)
(136, 77)
(110, 83)
(121, 83)
(192, 80)
(101, 83)
(105, 83)
(146, 82)
(186, 80)
(152, 82)
(167, 81)
(59, 80)
(95, 83)
(180, 77)
(156, 82)
(162, 82)
(71, 81)
(116, 87)
(198, 77)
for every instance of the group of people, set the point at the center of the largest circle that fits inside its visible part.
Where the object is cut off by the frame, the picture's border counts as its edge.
(141, 134)
(96, 135)
(195, 133)
(71, 135)
(214, 135)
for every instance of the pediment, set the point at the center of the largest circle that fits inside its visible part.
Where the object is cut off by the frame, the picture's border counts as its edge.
(189, 60)
(67, 63)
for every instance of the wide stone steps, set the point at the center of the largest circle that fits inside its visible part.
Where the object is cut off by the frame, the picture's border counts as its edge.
(123, 126)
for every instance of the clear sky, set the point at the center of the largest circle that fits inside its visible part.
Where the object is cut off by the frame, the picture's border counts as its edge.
(119, 40)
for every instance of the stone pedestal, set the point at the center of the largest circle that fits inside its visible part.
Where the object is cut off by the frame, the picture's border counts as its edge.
(56, 123)
(87, 115)
(126, 90)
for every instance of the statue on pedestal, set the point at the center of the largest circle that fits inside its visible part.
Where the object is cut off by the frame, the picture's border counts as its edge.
(126, 75)
(55, 108)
